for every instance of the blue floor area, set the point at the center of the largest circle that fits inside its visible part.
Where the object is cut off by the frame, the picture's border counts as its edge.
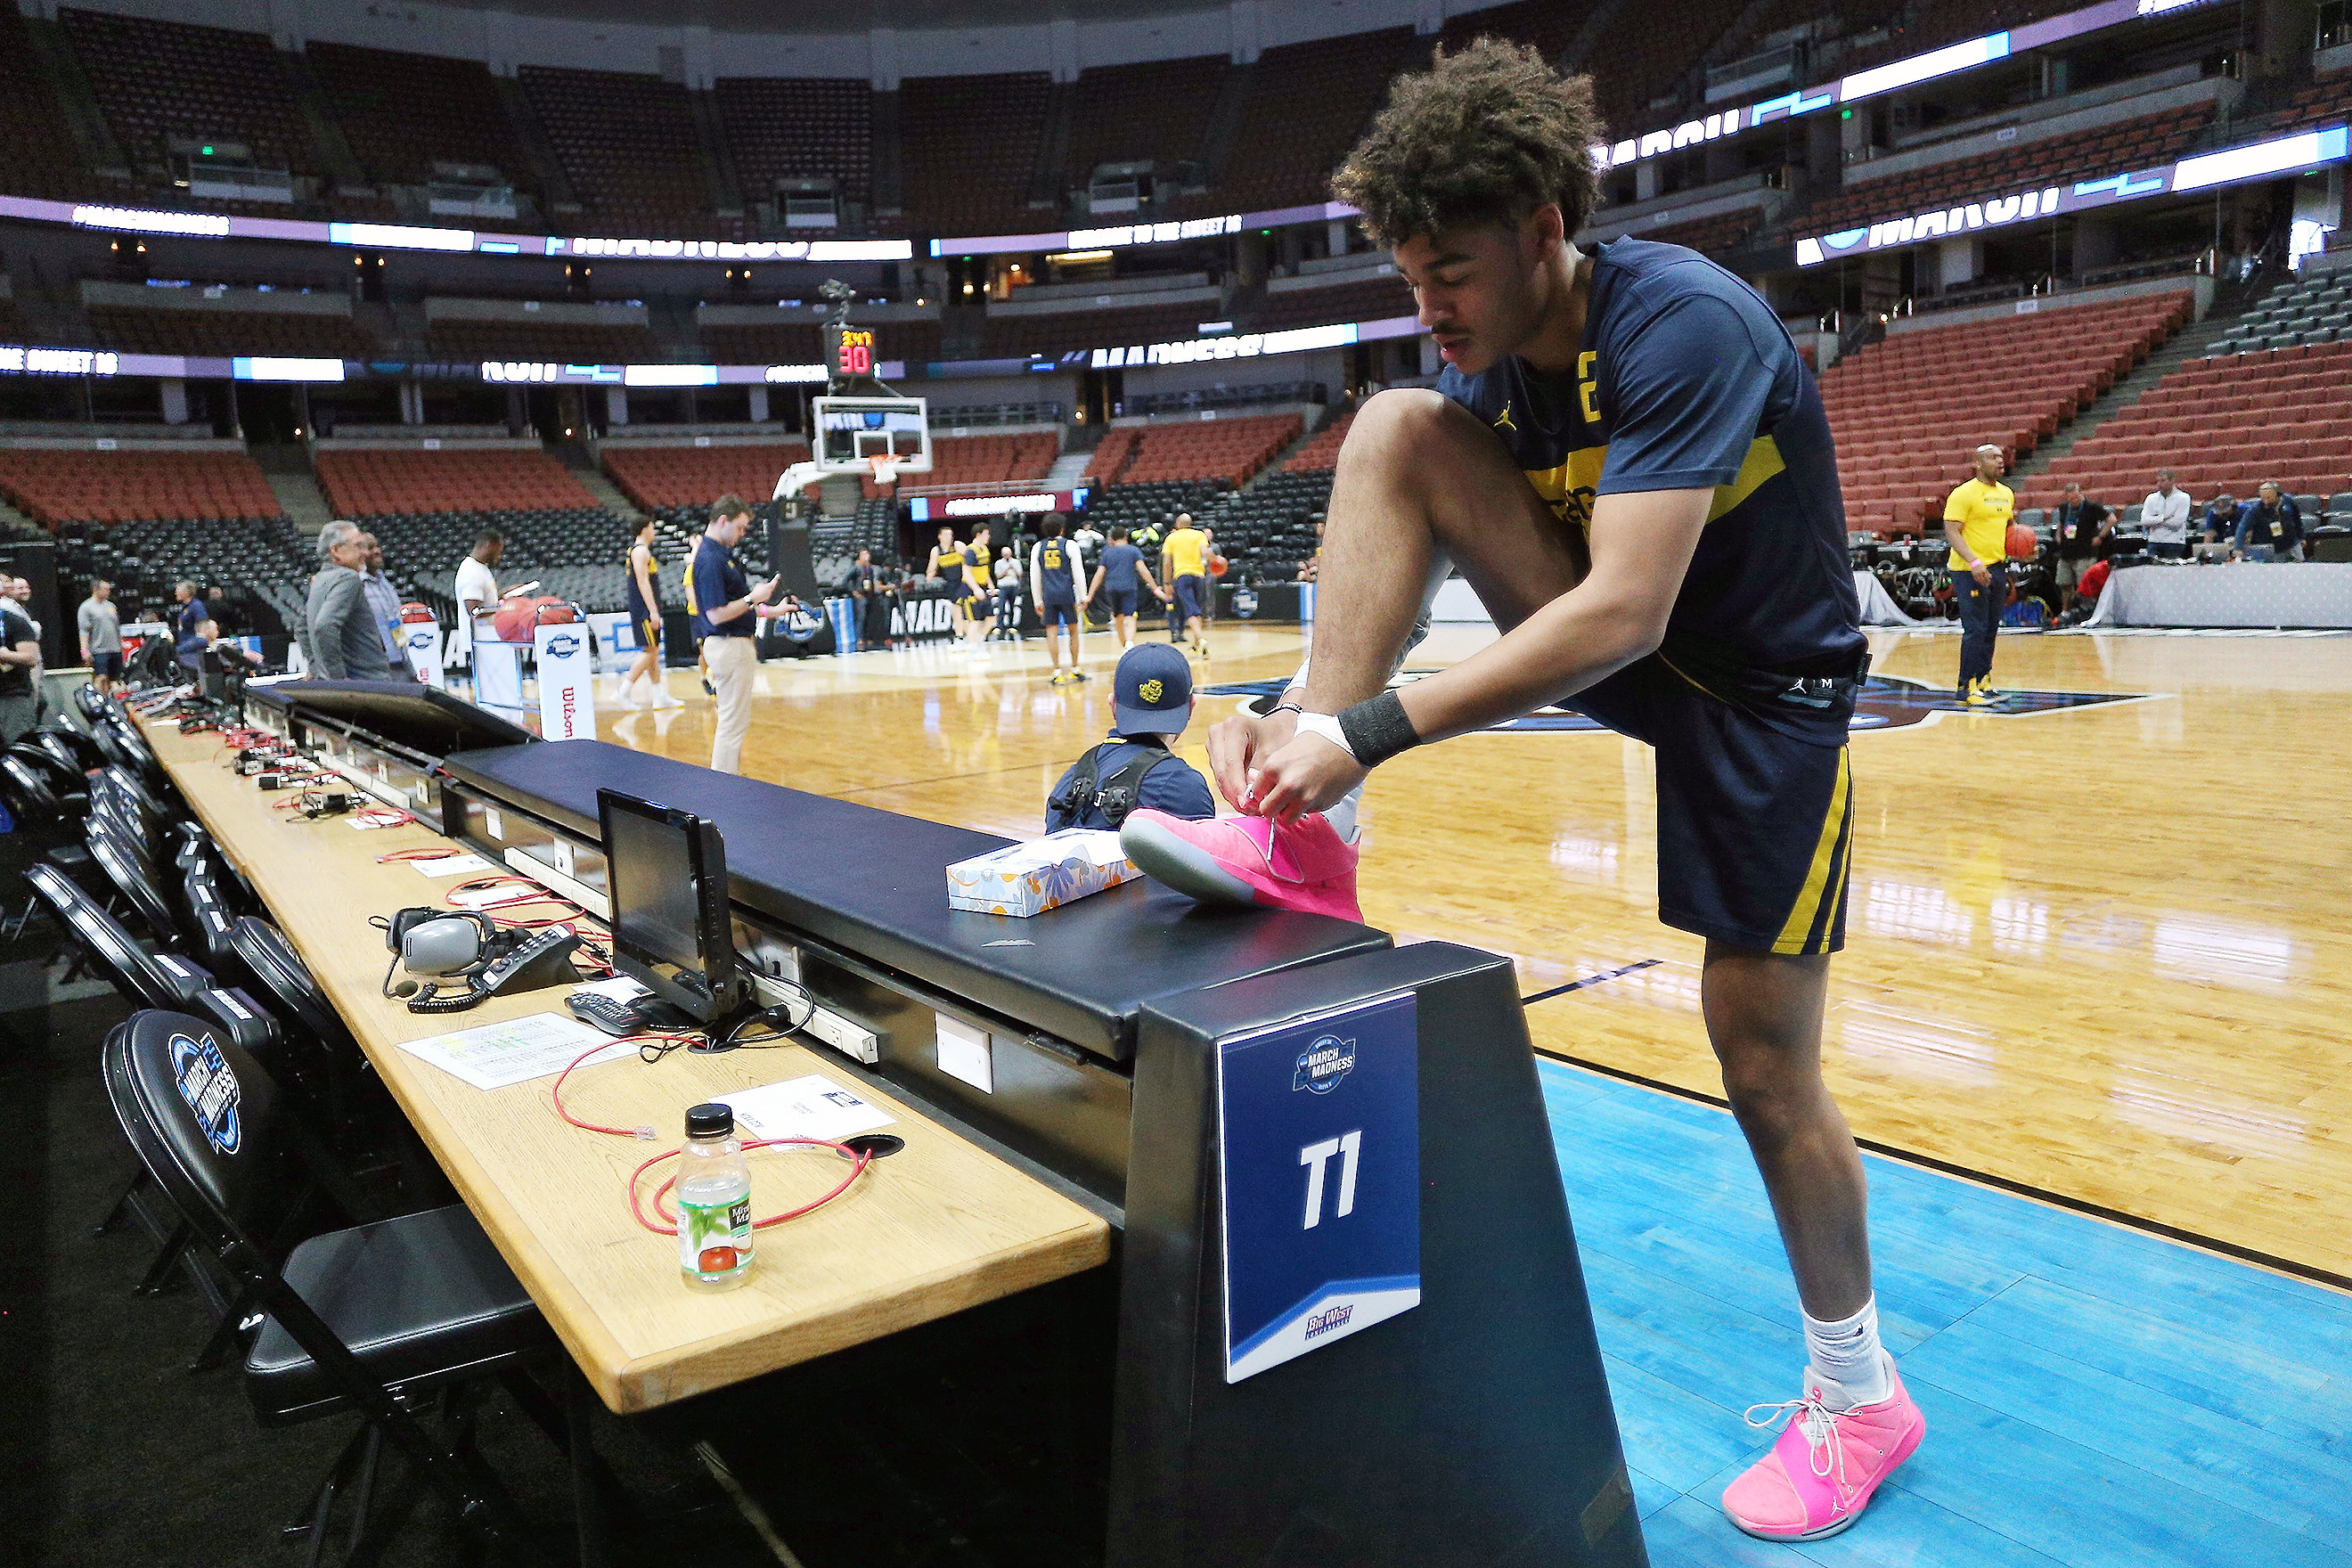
(2094, 1396)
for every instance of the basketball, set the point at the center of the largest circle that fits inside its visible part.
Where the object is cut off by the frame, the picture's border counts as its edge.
(1216, 565)
(519, 617)
(2022, 544)
(413, 614)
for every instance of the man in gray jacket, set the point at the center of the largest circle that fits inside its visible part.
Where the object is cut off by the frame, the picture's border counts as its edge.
(346, 642)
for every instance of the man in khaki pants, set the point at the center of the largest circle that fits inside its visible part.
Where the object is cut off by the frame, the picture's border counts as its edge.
(727, 611)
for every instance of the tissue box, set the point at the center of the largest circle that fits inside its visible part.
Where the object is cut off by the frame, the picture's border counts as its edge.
(1042, 874)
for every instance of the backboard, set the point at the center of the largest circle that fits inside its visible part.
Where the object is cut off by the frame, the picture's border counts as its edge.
(849, 430)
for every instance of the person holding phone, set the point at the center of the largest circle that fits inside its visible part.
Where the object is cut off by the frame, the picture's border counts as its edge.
(727, 607)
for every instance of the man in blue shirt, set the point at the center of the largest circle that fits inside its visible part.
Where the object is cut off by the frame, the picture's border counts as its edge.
(1629, 462)
(2270, 527)
(1150, 703)
(727, 610)
(1121, 577)
(190, 612)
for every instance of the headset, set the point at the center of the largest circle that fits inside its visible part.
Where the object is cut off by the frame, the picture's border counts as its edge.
(466, 945)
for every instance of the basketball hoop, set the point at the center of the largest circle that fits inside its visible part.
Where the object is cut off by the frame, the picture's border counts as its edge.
(884, 465)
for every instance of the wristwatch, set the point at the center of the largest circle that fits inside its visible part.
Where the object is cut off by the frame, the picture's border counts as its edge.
(1326, 725)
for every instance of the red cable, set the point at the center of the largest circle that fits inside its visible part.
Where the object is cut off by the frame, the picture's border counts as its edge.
(860, 1158)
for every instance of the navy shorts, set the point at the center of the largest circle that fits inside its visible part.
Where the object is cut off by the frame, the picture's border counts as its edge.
(1122, 600)
(1059, 611)
(1754, 825)
(648, 632)
(1188, 597)
(108, 664)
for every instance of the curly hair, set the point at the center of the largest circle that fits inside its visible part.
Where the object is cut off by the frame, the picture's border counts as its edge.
(1485, 135)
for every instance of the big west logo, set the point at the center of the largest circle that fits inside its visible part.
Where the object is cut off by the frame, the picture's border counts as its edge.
(1887, 702)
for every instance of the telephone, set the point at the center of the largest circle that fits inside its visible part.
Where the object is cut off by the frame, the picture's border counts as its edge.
(545, 958)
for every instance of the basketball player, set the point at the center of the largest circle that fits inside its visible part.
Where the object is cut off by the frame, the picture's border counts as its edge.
(642, 686)
(1628, 461)
(1056, 567)
(946, 564)
(1183, 555)
(1976, 520)
(979, 594)
(1122, 575)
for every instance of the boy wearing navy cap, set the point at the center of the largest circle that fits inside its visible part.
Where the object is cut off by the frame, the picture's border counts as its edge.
(1151, 701)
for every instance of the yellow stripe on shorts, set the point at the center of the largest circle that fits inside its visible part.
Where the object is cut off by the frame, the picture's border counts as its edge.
(1829, 865)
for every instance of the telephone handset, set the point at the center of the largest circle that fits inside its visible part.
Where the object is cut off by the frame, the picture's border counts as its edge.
(545, 958)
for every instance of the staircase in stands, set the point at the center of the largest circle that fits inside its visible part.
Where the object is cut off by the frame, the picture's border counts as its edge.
(2189, 342)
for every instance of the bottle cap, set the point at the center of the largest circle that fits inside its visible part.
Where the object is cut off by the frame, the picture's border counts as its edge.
(709, 1120)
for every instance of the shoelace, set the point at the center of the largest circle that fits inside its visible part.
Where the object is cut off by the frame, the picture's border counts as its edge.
(1825, 1450)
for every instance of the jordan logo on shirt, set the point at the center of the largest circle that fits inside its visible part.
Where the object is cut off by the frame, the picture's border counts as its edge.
(1504, 422)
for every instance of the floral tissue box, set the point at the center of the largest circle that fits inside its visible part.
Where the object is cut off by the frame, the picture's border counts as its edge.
(1040, 875)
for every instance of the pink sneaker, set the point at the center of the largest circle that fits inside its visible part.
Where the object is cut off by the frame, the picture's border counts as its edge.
(1821, 1473)
(1248, 861)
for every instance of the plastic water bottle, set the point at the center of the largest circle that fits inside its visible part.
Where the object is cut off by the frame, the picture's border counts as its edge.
(714, 1201)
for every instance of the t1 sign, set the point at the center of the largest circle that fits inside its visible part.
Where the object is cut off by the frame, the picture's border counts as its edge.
(1318, 1138)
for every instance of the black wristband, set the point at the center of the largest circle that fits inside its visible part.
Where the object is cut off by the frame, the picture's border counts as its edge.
(1377, 729)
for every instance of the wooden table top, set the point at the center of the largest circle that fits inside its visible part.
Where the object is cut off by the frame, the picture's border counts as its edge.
(937, 1227)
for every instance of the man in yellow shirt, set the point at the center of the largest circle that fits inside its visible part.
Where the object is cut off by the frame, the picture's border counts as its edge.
(1184, 558)
(1976, 520)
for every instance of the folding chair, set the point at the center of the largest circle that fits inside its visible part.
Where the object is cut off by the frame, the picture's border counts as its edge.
(386, 1318)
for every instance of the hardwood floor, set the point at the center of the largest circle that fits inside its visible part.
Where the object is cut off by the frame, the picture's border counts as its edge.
(2100, 949)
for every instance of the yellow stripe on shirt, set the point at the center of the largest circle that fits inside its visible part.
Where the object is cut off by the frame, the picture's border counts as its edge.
(1579, 477)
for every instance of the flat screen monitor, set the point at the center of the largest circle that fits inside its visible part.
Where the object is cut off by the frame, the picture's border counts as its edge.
(666, 877)
(426, 724)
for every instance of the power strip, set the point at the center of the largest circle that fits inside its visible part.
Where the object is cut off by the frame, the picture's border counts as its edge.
(855, 1041)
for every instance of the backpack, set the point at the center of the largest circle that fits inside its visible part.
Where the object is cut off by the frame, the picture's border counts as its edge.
(1084, 790)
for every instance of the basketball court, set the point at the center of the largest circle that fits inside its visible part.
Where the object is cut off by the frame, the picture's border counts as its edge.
(2087, 1025)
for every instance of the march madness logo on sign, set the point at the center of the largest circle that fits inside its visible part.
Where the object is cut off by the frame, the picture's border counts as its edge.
(1322, 1064)
(1886, 703)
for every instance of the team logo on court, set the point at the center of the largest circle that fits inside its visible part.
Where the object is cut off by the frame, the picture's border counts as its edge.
(1149, 691)
(210, 1088)
(1886, 703)
(1322, 1064)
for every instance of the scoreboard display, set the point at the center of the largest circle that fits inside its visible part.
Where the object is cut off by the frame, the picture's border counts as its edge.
(851, 350)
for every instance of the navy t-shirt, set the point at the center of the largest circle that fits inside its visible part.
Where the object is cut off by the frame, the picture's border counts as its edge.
(718, 581)
(1119, 561)
(1685, 380)
(1172, 786)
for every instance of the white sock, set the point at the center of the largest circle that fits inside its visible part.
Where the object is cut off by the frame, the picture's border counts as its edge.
(1847, 1353)
(1342, 815)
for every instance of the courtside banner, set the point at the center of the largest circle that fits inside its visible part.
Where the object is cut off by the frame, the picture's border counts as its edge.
(567, 682)
(1319, 1141)
(422, 640)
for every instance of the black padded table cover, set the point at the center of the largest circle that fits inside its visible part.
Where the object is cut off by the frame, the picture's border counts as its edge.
(873, 884)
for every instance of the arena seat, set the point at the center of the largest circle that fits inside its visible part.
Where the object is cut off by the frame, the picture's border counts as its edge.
(1015, 458)
(783, 128)
(1907, 411)
(1322, 452)
(1152, 110)
(2101, 150)
(636, 172)
(401, 113)
(1652, 51)
(1068, 331)
(228, 333)
(365, 482)
(52, 487)
(462, 339)
(1718, 235)
(154, 80)
(2226, 423)
(1227, 451)
(1364, 299)
(1308, 104)
(658, 477)
(968, 145)
(1550, 25)
(34, 160)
